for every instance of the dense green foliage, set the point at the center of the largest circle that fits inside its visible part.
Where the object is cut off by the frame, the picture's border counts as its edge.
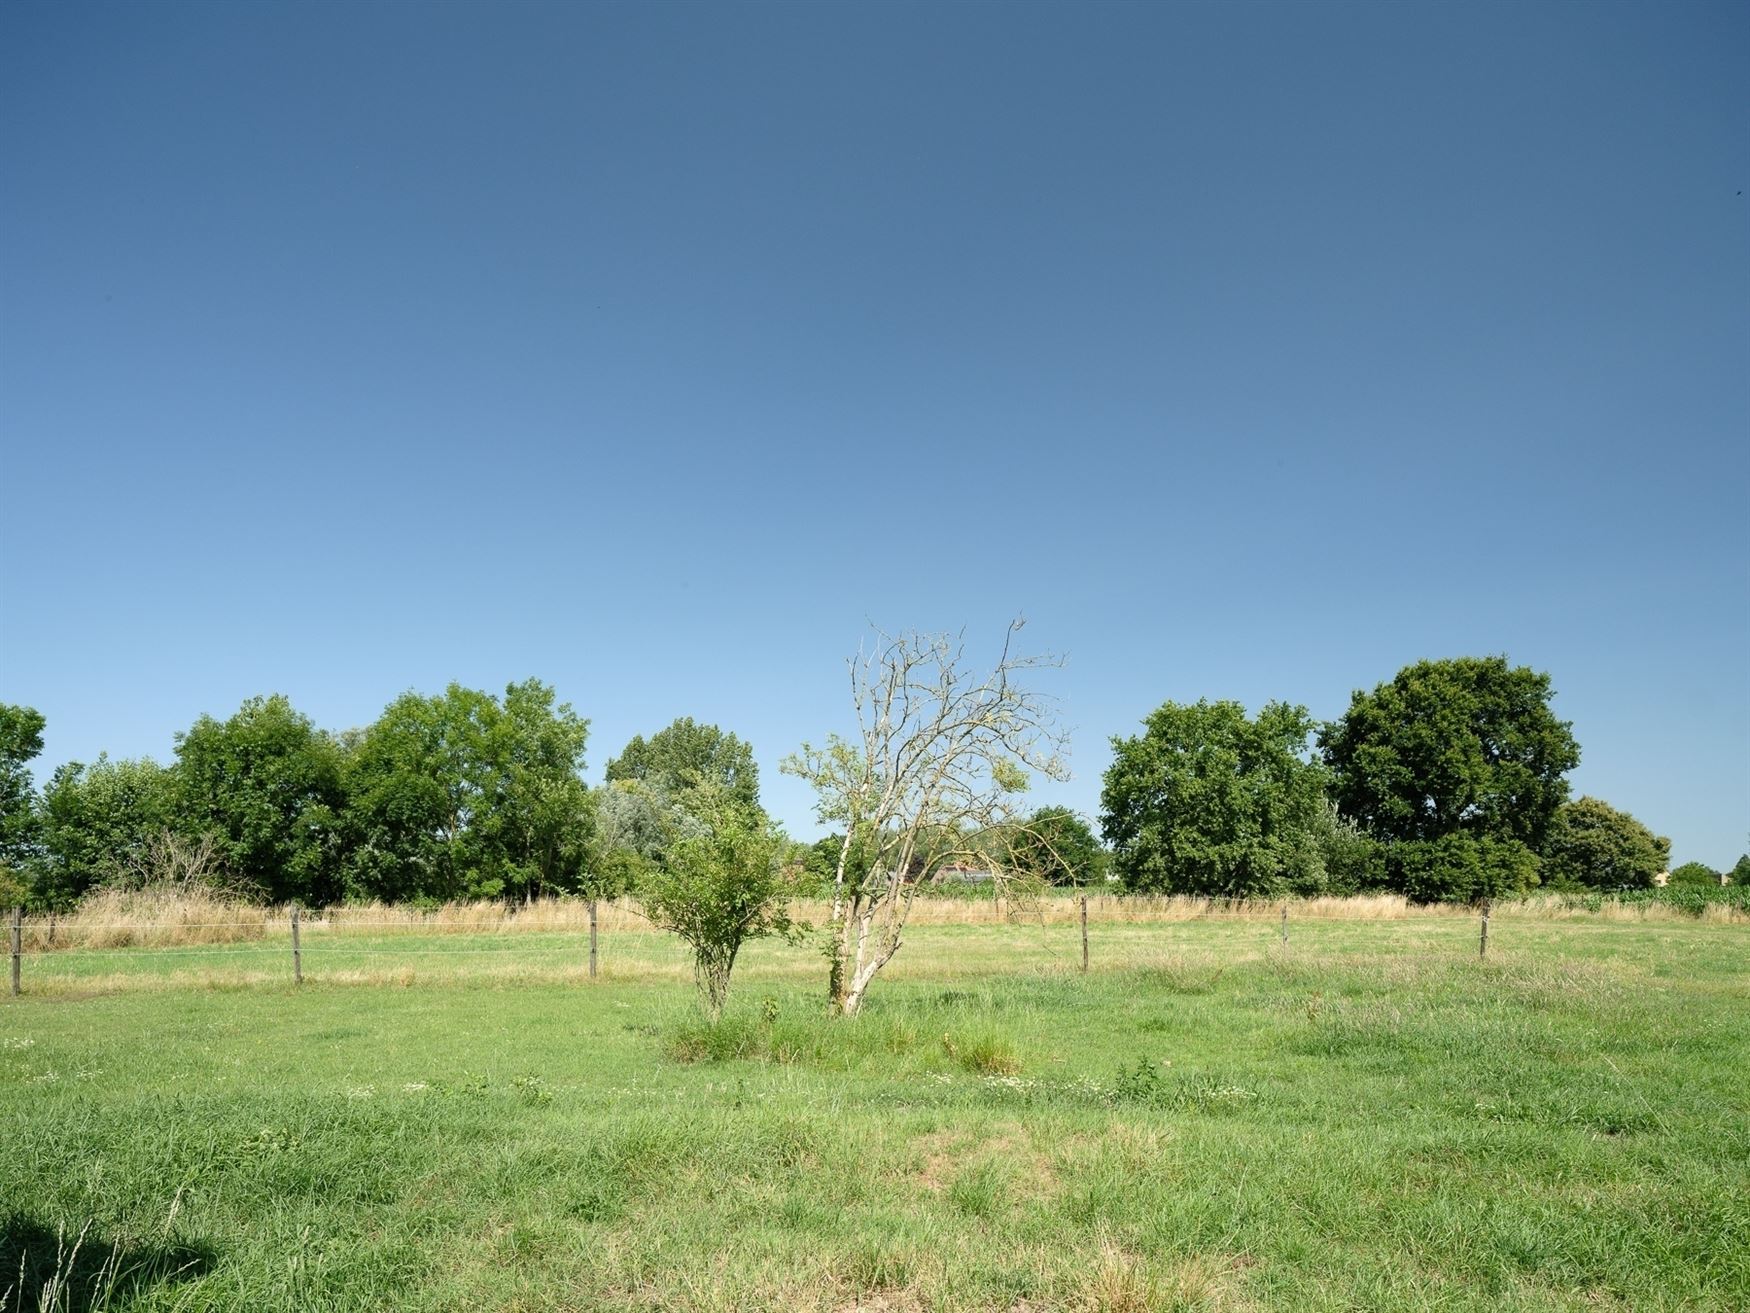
(1462, 868)
(267, 782)
(459, 795)
(656, 794)
(98, 821)
(1209, 801)
(1592, 845)
(1695, 875)
(1367, 1119)
(1449, 751)
(21, 740)
(462, 795)
(1693, 900)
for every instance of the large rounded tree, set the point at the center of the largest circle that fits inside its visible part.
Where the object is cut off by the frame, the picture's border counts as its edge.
(1593, 845)
(1447, 755)
(1210, 801)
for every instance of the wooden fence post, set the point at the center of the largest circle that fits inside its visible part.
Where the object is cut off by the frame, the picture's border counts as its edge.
(1285, 923)
(17, 945)
(1084, 934)
(297, 950)
(1483, 939)
(592, 939)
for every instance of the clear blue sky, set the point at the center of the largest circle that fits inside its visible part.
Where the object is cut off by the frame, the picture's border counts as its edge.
(1252, 351)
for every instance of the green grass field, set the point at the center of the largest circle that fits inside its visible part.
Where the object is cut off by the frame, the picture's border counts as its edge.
(1368, 1118)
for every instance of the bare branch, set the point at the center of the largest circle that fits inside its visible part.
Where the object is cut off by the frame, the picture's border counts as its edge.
(940, 752)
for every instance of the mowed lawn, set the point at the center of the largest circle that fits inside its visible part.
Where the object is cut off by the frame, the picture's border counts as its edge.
(1367, 1118)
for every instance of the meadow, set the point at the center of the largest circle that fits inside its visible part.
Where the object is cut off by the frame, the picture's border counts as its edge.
(451, 1114)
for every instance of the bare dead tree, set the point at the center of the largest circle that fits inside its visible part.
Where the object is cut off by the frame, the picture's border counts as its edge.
(935, 775)
(166, 859)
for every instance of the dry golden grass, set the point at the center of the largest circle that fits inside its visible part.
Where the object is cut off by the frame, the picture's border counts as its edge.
(191, 916)
(118, 918)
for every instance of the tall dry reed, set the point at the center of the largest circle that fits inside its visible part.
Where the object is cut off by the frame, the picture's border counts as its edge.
(128, 918)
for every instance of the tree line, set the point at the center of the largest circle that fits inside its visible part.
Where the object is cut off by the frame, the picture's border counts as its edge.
(1447, 782)
(458, 795)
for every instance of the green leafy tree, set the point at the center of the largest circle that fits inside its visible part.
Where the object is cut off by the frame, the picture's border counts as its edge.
(268, 784)
(1353, 859)
(21, 742)
(637, 820)
(1060, 848)
(1467, 746)
(688, 756)
(1694, 875)
(720, 889)
(14, 890)
(821, 860)
(540, 822)
(460, 795)
(1592, 845)
(1209, 801)
(98, 823)
(1740, 872)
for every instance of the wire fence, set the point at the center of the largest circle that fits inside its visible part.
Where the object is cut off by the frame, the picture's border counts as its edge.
(613, 940)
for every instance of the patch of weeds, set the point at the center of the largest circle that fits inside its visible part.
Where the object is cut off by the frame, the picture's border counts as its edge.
(532, 1091)
(1205, 1094)
(789, 1044)
(899, 1036)
(784, 1143)
(1143, 1083)
(467, 1085)
(1599, 1117)
(1337, 1029)
(798, 1212)
(598, 1198)
(270, 1140)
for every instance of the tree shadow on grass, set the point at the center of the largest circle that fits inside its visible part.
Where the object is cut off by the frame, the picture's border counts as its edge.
(46, 1269)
